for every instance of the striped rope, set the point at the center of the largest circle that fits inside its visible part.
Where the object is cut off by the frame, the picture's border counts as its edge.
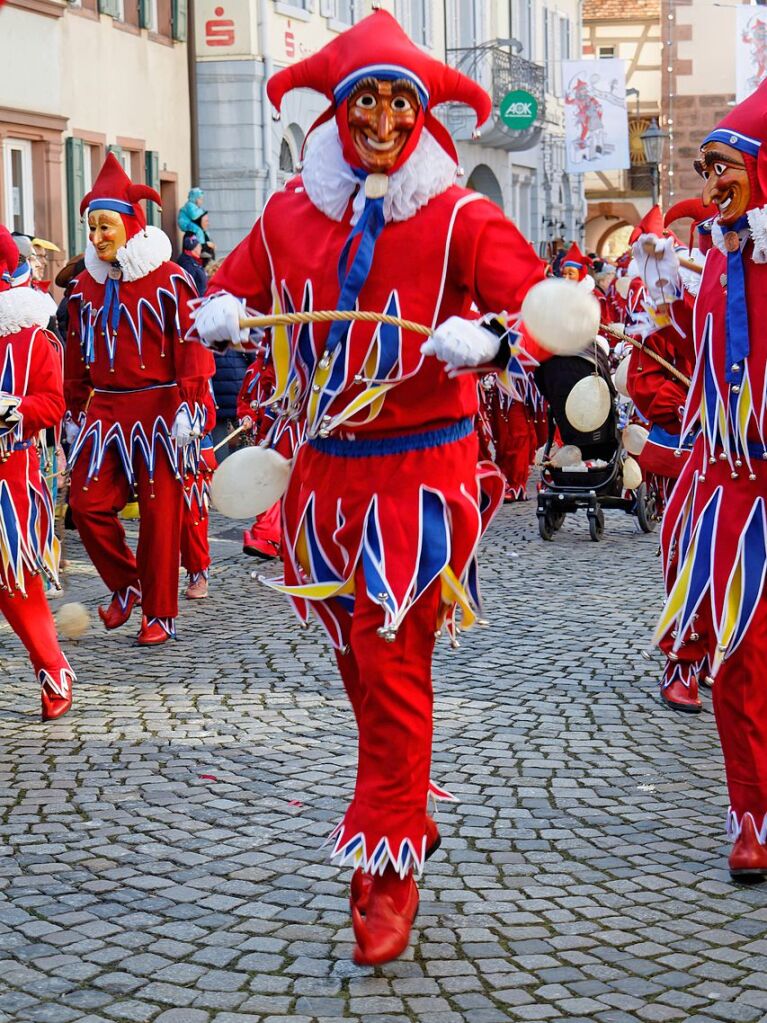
(331, 316)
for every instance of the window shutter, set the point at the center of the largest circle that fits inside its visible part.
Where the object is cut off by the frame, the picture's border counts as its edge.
(152, 178)
(77, 233)
(179, 20)
(145, 14)
(428, 24)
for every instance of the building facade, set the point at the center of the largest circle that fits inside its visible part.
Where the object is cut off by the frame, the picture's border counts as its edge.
(80, 78)
(697, 90)
(244, 153)
(631, 31)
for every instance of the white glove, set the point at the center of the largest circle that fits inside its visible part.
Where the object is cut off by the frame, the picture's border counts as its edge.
(218, 320)
(8, 405)
(183, 432)
(658, 266)
(461, 343)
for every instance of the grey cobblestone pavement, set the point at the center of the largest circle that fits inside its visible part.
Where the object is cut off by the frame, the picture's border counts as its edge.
(160, 847)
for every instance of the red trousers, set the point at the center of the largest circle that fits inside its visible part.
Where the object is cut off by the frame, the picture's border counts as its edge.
(740, 706)
(390, 689)
(31, 619)
(195, 549)
(155, 567)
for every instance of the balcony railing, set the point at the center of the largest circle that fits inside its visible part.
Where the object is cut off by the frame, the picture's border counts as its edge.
(499, 72)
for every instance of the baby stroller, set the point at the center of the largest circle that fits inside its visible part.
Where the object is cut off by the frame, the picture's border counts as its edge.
(596, 482)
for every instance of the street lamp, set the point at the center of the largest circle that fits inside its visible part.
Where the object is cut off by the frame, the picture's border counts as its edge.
(653, 141)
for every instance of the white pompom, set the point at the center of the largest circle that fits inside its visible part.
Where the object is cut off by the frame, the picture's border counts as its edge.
(588, 404)
(632, 474)
(635, 438)
(622, 285)
(249, 482)
(72, 620)
(620, 379)
(560, 316)
(569, 455)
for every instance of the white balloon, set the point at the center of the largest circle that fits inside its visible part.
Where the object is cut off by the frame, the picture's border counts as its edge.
(632, 474)
(72, 620)
(588, 404)
(620, 378)
(560, 316)
(566, 456)
(635, 438)
(249, 482)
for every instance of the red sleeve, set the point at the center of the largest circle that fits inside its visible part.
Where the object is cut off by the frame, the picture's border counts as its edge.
(657, 395)
(246, 272)
(504, 263)
(77, 380)
(43, 402)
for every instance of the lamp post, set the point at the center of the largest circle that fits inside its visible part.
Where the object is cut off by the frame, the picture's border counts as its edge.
(653, 141)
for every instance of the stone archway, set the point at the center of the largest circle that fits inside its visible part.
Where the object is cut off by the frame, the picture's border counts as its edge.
(483, 180)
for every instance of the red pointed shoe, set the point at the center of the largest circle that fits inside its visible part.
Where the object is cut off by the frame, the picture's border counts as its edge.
(258, 546)
(55, 694)
(384, 932)
(155, 631)
(683, 698)
(359, 891)
(748, 858)
(120, 607)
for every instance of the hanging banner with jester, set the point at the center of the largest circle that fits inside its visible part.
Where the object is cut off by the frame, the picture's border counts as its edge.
(596, 123)
(750, 50)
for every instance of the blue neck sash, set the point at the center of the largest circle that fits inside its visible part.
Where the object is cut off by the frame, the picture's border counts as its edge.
(351, 280)
(738, 346)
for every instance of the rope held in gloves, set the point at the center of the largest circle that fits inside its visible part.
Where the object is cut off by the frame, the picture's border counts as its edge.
(331, 316)
(623, 336)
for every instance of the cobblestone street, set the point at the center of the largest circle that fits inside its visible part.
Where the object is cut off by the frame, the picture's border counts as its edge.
(160, 850)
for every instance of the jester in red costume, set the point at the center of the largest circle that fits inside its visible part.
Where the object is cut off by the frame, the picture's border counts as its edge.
(384, 508)
(31, 400)
(135, 395)
(714, 535)
(588, 113)
(662, 299)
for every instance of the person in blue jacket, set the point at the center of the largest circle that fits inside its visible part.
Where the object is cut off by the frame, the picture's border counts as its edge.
(189, 214)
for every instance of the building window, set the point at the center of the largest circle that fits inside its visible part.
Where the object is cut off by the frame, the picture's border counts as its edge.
(605, 51)
(19, 195)
(466, 24)
(415, 18)
(346, 12)
(522, 26)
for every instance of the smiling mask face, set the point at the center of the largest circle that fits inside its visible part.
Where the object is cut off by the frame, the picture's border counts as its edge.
(726, 182)
(381, 117)
(106, 231)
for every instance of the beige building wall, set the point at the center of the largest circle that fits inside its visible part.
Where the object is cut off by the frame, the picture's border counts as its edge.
(70, 72)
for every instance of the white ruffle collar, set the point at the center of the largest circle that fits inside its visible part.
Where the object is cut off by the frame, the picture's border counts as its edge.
(330, 181)
(23, 307)
(142, 254)
(757, 231)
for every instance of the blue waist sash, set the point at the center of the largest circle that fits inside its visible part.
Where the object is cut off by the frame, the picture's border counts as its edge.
(400, 444)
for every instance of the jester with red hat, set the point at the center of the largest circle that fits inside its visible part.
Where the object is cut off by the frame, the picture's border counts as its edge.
(31, 400)
(135, 395)
(661, 301)
(384, 508)
(714, 536)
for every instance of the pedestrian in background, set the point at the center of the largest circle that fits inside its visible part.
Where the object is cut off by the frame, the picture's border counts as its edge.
(191, 260)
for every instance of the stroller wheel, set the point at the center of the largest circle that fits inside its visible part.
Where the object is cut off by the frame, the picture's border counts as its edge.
(596, 524)
(646, 508)
(546, 527)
